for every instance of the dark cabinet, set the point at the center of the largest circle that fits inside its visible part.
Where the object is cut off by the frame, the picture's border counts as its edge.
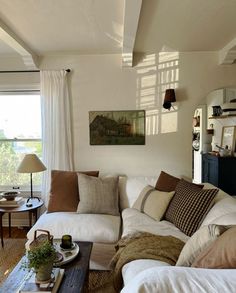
(220, 171)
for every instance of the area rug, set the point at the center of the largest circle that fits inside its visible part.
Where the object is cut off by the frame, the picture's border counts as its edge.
(10, 255)
(100, 282)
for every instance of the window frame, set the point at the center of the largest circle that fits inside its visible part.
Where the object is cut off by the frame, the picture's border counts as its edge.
(24, 188)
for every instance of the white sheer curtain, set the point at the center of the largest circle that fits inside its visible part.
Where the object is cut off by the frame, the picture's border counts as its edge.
(56, 125)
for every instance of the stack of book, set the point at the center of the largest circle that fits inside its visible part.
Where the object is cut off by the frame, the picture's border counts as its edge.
(19, 200)
(30, 284)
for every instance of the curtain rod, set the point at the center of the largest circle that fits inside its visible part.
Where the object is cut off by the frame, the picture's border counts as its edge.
(21, 71)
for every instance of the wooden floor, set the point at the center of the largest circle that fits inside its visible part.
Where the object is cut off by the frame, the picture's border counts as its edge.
(15, 232)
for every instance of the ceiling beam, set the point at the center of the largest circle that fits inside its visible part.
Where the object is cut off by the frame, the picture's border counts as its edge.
(131, 17)
(30, 59)
(227, 55)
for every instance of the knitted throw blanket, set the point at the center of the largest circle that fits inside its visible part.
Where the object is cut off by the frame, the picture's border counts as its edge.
(142, 245)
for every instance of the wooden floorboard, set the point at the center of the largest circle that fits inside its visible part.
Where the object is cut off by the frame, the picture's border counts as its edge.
(15, 232)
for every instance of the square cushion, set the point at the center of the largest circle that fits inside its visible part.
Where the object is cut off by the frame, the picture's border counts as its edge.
(153, 202)
(221, 254)
(82, 227)
(98, 195)
(166, 182)
(64, 193)
(199, 241)
(189, 206)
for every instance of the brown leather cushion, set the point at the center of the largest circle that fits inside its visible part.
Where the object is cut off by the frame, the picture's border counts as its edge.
(166, 182)
(64, 193)
(221, 254)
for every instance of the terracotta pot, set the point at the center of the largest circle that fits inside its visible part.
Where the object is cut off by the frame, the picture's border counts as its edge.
(43, 273)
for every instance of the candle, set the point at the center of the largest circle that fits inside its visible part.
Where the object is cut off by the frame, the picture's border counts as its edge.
(66, 242)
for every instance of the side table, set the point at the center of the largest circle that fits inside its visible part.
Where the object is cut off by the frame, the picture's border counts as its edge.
(22, 208)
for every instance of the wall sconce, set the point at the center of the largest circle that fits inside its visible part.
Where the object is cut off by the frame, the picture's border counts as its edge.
(169, 98)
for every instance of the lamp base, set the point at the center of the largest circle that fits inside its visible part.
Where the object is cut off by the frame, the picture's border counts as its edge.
(32, 197)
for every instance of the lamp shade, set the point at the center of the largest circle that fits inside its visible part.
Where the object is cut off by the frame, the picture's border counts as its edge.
(169, 98)
(31, 164)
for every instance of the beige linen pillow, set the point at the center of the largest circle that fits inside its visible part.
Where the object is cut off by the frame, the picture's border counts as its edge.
(98, 195)
(199, 241)
(221, 254)
(153, 202)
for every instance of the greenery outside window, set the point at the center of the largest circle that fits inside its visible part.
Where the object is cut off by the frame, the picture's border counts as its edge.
(20, 133)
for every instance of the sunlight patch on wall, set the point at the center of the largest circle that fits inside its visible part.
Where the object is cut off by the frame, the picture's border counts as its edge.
(169, 122)
(156, 73)
(151, 122)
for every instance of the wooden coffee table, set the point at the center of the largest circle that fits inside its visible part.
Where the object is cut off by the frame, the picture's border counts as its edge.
(74, 279)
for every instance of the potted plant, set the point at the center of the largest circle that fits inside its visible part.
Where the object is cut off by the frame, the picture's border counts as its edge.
(41, 259)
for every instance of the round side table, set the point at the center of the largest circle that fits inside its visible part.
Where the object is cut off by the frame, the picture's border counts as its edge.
(22, 208)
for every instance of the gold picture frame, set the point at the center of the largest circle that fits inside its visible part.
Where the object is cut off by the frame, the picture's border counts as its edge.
(228, 137)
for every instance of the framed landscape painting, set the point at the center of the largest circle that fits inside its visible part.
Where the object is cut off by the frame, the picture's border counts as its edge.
(117, 127)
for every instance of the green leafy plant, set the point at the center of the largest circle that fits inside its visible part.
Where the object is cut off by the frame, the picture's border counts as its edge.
(41, 255)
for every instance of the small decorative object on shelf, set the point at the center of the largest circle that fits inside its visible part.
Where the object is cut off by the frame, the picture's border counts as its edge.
(210, 131)
(217, 111)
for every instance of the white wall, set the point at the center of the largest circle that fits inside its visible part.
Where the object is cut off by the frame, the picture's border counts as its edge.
(99, 83)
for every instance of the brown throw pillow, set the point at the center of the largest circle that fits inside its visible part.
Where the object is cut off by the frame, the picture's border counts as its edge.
(221, 254)
(189, 206)
(166, 182)
(64, 193)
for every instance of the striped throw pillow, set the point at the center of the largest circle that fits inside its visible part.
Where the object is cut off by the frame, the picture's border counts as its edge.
(189, 206)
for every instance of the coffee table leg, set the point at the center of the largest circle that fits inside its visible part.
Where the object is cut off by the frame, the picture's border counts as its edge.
(1, 214)
(9, 224)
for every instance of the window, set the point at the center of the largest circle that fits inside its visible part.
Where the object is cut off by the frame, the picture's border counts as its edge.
(20, 133)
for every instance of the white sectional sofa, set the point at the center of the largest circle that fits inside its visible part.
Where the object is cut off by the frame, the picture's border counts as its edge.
(143, 275)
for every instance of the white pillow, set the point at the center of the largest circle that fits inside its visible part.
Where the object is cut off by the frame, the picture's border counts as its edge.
(199, 241)
(153, 202)
(221, 208)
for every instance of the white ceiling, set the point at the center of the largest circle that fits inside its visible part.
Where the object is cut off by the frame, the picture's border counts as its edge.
(97, 26)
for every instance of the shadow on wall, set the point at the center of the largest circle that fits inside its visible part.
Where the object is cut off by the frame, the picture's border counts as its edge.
(155, 74)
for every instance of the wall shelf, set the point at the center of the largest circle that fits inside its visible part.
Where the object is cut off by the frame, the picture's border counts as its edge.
(222, 116)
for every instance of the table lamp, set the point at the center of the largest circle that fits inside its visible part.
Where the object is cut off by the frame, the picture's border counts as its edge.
(31, 164)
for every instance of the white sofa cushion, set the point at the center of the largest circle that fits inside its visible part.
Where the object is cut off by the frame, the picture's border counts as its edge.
(171, 279)
(220, 194)
(83, 227)
(131, 269)
(221, 208)
(228, 219)
(134, 221)
(131, 187)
